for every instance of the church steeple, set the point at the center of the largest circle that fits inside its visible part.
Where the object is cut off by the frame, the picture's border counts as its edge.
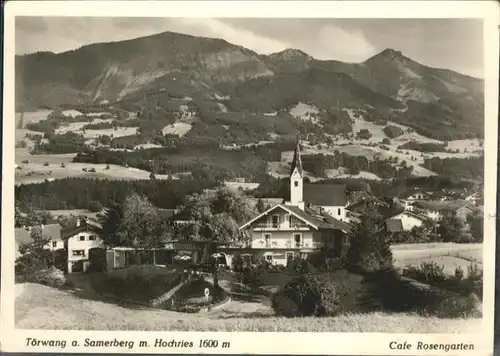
(297, 160)
(296, 179)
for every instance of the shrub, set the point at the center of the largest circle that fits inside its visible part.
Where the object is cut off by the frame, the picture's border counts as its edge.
(53, 277)
(95, 206)
(313, 295)
(459, 273)
(457, 307)
(325, 294)
(284, 306)
(300, 265)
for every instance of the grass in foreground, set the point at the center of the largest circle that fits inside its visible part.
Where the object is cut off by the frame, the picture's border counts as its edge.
(41, 307)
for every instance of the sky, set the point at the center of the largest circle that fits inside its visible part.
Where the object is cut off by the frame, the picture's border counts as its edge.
(455, 44)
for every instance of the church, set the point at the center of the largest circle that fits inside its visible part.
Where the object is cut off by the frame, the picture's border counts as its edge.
(313, 219)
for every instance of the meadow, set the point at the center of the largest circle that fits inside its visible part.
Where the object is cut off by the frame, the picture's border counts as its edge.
(42, 307)
(448, 255)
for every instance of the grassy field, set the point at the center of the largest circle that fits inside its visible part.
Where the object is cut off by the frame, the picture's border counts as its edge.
(35, 171)
(41, 307)
(448, 255)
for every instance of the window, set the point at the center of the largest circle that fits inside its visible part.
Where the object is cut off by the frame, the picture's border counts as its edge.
(275, 220)
(269, 258)
(54, 243)
(78, 252)
(92, 237)
(296, 183)
(82, 237)
(297, 238)
(267, 238)
(338, 211)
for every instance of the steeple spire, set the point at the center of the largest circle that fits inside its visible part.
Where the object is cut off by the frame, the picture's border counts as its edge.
(297, 160)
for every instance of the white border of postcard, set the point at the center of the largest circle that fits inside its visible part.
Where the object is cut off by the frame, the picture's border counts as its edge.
(14, 340)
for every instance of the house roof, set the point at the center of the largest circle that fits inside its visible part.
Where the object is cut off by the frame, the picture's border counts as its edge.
(394, 225)
(357, 197)
(84, 226)
(22, 236)
(325, 194)
(51, 231)
(297, 160)
(448, 205)
(315, 219)
(406, 212)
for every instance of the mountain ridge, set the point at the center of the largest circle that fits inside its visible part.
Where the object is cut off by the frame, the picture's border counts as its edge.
(172, 65)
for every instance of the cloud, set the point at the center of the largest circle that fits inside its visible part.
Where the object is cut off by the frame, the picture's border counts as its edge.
(246, 38)
(335, 42)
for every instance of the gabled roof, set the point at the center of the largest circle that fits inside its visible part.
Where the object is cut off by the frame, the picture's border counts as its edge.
(358, 197)
(449, 205)
(84, 226)
(394, 225)
(297, 160)
(311, 217)
(406, 212)
(325, 194)
(51, 231)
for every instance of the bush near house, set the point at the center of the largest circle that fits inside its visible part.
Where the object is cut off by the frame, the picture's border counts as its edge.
(136, 283)
(460, 283)
(325, 294)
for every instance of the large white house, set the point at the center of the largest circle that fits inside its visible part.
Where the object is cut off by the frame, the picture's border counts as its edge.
(81, 241)
(299, 226)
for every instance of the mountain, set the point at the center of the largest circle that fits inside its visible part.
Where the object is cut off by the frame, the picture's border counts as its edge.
(110, 71)
(170, 66)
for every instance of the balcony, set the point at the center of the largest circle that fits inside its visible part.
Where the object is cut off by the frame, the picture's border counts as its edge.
(282, 226)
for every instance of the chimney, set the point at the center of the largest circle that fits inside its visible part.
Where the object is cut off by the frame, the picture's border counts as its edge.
(78, 222)
(301, 205)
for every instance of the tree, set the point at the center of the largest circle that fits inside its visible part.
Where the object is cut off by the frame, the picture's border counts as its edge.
(450, 228)
(95, 206)
(475, 223)
(217, 214)
(141, 226)
(369, 250)
(35, 256)
(260, 206)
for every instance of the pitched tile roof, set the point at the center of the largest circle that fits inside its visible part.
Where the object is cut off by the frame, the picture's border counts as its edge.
(84, 226)
(22, 235)
(450, 205)
(313, 217)
(394, 225)
(325, 194)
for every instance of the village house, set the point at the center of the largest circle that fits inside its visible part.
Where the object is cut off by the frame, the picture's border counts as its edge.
(313, 219)
(404, 221)
(437, 210)
(52, 232)
(81, 242)
(475, 198)
(411, 198)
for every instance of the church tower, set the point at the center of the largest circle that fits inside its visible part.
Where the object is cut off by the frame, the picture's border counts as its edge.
(297, 179)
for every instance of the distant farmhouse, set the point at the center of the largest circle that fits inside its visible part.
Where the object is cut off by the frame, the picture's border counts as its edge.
(437, 210)
(313, 219)
(405, 221)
